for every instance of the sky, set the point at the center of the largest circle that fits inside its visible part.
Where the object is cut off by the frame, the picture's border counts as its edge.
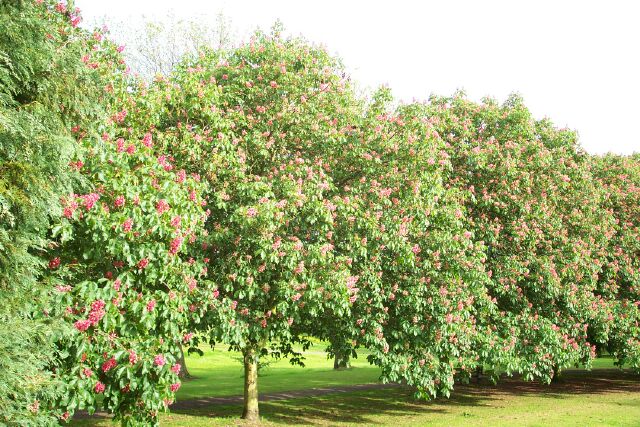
(575, 62)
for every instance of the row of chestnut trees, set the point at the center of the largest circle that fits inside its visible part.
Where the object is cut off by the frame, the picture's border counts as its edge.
(253, 198)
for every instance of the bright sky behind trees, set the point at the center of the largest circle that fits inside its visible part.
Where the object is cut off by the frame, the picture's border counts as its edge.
(573, 61)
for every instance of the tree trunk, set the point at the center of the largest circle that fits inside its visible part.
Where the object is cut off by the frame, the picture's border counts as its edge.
(250, 411)
(479, 371)
(556, 375)
(341, 361)
(184, 372)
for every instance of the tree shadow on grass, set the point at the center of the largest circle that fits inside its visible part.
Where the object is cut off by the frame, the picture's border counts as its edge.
(571, 382)
(366, 404)
(357, 407)
(352, 407)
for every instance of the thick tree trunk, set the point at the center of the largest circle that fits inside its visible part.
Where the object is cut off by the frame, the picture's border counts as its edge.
(184, 372)
(341, 361)
(250, 411)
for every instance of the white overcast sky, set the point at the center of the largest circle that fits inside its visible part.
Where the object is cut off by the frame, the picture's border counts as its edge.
(576, 62)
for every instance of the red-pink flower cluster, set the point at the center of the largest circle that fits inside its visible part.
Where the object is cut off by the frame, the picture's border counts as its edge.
(109, 364)
(147, 140)
(127, 224)
(120, 201)
(175, 245)
(159, 360)
(162, 206)
(90, 200)
(181, 176)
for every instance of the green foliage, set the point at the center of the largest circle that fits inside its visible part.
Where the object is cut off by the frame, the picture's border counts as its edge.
(620, 179)
(251, 122)
(45, 89)
(535, 205)
(122, 271)
(252, 197)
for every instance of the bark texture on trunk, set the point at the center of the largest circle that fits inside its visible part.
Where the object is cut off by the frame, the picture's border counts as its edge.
(184, 372)
(250, 411)
(341, 361)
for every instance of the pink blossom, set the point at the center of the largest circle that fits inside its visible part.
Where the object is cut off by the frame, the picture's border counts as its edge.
(75, 20)
(162, 206)
(142, 264)
(176, 368)
(151, 305)
(131, 149)
(70, 208)
(96, 315)
(87, 372)
(120, 201)
(127, 224)
(82, 325)
(251, 212)
(416, 249)
(174, 387)
(277, 243)
(159, 360)
(120, 116)
(99, 387)
(54, 263)
(174, 247)
(181, 176)
(147, 140)
(90, 200)
(326, 248)
(133, 357)
(109, 364)
(162, 160)
(175, 221)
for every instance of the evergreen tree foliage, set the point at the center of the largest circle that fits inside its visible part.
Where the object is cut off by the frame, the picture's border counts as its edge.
(45, 89)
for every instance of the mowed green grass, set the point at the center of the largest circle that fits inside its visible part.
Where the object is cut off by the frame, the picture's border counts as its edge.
(220, 373)
(600, 397)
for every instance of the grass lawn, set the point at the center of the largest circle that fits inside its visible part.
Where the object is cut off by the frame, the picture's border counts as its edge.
(219, 373)
(601, 397)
